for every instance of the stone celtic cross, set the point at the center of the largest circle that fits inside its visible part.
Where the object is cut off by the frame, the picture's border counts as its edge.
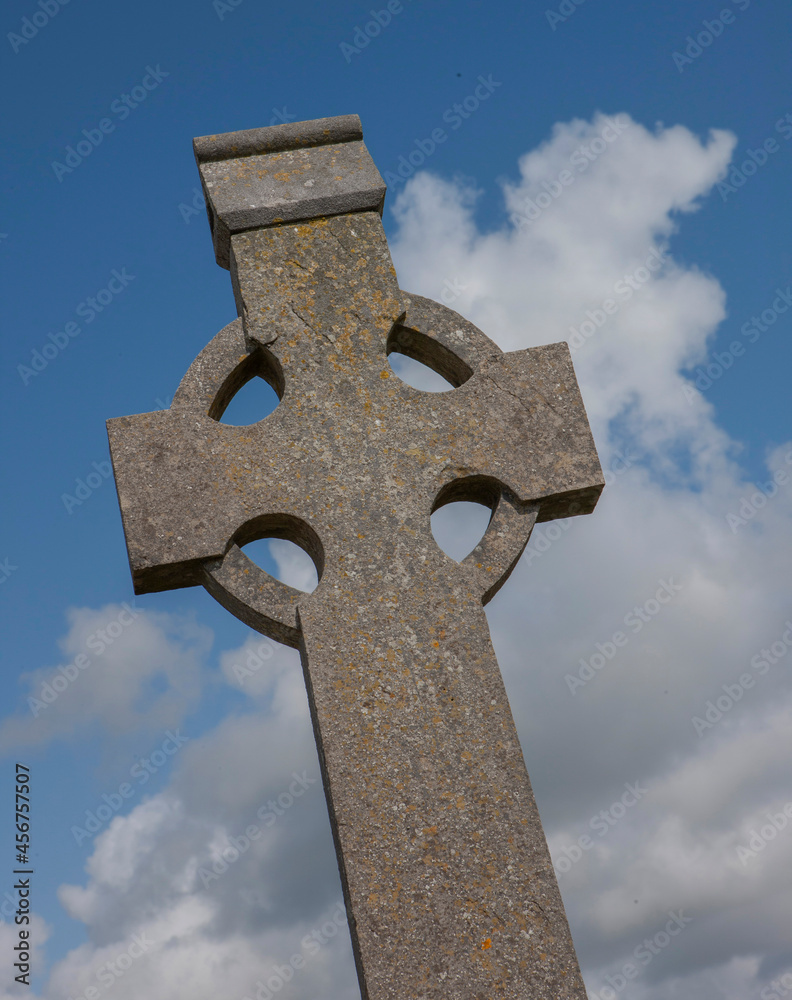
(447, 879)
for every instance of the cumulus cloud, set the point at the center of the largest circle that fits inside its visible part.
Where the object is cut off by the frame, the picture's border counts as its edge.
(122, 670)
(227, 878)
(615, 633)
(295, 567)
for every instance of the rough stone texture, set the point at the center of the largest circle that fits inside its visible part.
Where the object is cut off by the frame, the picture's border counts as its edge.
(448, 882)
(285, 173)
(293, 135)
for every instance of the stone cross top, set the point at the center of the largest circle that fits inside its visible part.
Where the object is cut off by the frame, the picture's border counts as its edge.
(447, 879)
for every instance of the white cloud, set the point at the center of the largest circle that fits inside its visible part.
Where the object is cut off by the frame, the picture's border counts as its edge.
(223, 875)
(295, 567)
(122, 669)
(264, 669)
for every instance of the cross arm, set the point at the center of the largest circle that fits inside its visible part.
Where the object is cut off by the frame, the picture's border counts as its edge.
(517, 417)
(557, 464)
(185, 486)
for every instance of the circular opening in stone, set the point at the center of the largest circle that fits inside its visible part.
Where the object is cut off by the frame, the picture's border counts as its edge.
(423, 362)
(251, 392)
(254, 401)
(285, 561)
(286, 547)
(461, 513)
(418, 375)
(459, 527)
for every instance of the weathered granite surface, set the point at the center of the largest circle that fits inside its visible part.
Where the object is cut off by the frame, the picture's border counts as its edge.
(285, 173)
(448, 882)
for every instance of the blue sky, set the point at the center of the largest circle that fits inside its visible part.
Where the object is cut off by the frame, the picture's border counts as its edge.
(121, 219)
